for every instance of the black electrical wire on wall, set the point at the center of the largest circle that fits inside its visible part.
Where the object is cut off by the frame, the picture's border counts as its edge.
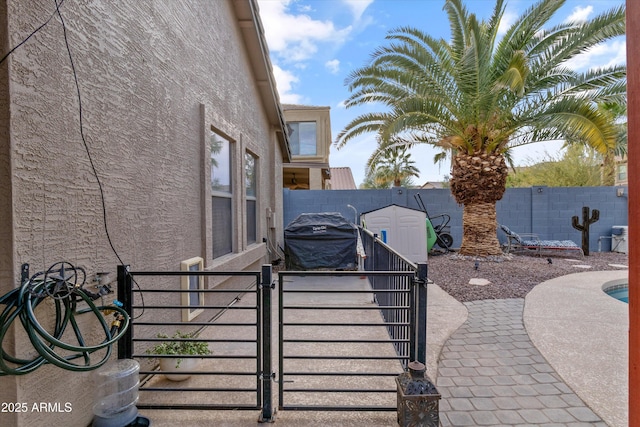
(58, 12)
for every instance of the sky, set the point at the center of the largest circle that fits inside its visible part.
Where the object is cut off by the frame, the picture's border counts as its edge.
(315, 44)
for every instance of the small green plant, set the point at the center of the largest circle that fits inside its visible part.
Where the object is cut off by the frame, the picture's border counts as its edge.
(171, 347)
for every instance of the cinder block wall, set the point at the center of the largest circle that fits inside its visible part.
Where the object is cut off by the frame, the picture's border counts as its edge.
(546, 211)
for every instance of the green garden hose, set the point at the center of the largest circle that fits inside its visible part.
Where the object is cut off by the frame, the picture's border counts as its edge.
(65, 292)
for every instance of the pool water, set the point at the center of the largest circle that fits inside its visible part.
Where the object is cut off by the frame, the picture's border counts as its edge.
(619, 292)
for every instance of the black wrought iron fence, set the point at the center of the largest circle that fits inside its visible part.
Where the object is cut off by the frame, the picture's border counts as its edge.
(392, 291)
(313, 361)
(235, 369)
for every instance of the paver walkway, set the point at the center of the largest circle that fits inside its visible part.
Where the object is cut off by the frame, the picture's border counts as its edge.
(490, 373)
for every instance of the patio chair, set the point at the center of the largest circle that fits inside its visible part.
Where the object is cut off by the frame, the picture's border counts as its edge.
(531, 243)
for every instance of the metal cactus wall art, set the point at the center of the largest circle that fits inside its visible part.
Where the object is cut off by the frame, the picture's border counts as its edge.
(584, 227)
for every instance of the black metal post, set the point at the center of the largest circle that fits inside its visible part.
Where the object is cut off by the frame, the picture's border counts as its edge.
(280, 341)
(421, 312)
(413, 317)
(267, 391)
(125, 296)
(375, 253)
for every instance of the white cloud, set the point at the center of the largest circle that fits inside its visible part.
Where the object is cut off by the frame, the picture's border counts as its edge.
(357, 7)
(602, 55)
(508, 18)
(295, 37)
(333, 66)
(620, 53)
(285, 81)
(579, 14)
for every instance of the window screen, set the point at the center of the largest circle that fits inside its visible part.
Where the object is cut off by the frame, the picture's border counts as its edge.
(222, 194)
(250, 168)
(302, 137)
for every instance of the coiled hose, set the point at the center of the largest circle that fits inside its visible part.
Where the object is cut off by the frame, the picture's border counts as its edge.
(62, 283)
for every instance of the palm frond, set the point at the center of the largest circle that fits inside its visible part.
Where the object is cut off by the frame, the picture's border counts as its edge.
(476, 91)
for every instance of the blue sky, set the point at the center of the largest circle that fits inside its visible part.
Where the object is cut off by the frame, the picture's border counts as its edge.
(315, 44)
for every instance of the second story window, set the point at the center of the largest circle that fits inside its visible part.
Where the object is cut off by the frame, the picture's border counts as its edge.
(622, 172)
(302, 136)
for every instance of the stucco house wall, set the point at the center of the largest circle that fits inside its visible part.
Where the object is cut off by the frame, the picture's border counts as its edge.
(156, 77)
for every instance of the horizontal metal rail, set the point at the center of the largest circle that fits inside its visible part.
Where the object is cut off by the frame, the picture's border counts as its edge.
(344, 307)
(332, 273)
(182, 291)
(205, 307)
(342, 324)
(217, 373)
(317, 357)
(323, 291)
(196, 407)
(193, 340)
(201, 389)
(342, 390)
(349, 341)
(195, 273)
(218, 324)
(341, 374)
(361, 408)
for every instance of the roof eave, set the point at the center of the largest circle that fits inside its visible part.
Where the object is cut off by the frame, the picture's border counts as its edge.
(247, 14)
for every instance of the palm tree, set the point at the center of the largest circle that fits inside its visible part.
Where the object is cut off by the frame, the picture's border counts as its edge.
(392, 165)
(478, 95)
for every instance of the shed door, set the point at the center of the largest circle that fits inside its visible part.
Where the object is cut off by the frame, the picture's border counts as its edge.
(406, 230)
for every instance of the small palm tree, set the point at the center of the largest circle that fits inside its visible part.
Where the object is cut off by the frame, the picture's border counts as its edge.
(392, 165)
(477, 95)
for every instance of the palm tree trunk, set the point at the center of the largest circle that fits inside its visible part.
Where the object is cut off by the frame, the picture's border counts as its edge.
(608, 169)
(479, 227)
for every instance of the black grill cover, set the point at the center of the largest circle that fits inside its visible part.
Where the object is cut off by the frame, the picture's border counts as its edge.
(325, 240)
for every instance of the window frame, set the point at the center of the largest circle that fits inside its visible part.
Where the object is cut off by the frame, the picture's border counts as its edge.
(191, 311)
(295, 141)
(251, 239)
(622, 172)
(219, 195)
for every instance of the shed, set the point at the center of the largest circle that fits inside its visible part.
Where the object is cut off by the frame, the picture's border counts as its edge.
(404, 229)
(325, 240)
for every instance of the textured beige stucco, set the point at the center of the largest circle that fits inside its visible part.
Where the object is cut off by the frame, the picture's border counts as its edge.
(8, 385)
(154, 77)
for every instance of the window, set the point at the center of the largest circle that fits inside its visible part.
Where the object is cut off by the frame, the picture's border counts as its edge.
(302, 136)
(622, 172)
(221, 195)
(250, 187)
(192, 301)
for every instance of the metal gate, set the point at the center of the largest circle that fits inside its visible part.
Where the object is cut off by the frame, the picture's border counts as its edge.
(344, 337)
(242, 356)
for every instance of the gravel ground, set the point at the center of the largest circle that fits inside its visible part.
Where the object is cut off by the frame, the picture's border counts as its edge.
(513, 276)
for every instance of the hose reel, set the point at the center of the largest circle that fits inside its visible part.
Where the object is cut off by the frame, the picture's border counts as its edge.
(62, 284)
